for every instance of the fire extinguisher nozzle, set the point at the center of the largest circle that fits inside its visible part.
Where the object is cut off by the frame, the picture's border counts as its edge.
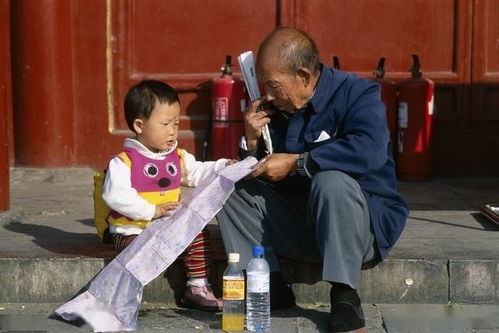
(415, 58)
(227, 67)
(416, 67)
(380, 71)
(336, 63)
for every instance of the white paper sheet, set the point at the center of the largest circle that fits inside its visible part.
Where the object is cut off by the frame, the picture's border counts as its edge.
(113, 298)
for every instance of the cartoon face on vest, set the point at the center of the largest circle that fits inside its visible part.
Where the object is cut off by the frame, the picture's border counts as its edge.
(150, 175)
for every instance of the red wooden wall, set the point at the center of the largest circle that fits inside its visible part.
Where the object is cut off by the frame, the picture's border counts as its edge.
(74, 60)
(5, 105)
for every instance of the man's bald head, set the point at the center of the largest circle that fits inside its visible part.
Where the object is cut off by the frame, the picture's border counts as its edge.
(293, 49)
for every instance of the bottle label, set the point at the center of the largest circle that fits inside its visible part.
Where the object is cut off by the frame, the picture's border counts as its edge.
(233, 289)
(258, 283)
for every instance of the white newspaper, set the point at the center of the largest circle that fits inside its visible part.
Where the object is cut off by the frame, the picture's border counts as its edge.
(247, 64)
(112, 301)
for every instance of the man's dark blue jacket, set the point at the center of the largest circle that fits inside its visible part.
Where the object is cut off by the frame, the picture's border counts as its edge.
(343, 127)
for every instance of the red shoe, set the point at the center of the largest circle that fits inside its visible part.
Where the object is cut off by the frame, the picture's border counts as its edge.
(201, 298)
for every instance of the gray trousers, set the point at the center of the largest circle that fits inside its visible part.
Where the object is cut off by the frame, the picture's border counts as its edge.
(331, 225)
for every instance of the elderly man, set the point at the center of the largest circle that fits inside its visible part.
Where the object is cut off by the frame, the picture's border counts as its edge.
(328, 192)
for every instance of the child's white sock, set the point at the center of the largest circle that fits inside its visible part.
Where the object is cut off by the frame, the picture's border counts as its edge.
(192, 282)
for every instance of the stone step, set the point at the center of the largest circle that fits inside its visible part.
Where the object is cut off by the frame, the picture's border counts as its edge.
(38, 280)
(447, 252)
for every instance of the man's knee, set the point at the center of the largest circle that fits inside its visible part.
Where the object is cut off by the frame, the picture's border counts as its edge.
(333, 184)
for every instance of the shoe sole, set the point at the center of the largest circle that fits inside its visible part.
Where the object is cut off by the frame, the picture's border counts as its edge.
(191, 305)
(359, 330)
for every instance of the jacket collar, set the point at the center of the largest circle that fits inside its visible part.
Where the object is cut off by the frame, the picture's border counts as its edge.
(329, 81)
(137, 145)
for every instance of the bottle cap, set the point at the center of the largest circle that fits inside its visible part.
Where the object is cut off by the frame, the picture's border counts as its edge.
(257, 251)
(233, 257)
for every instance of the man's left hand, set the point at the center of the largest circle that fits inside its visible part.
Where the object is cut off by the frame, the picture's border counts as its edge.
(275, 167)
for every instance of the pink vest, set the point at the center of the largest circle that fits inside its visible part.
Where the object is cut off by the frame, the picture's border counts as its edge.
(157, 181)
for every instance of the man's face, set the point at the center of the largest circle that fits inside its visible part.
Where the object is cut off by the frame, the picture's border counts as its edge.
(286, 91)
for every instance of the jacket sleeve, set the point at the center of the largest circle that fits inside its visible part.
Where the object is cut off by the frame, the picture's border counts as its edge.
(121, 197)
(193, 172)
(361, 147)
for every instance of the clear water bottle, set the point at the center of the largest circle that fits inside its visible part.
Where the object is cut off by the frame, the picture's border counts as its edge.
(258, 292)
(233, 296)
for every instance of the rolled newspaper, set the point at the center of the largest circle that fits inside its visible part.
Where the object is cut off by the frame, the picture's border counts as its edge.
(247, 64)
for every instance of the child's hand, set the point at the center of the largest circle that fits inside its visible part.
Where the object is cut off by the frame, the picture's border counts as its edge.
(229, 162)
(164, 209)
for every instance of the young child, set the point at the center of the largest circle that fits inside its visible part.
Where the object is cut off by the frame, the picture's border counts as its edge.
(143, 182)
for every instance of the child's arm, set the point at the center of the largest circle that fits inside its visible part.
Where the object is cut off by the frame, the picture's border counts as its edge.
(121, 197)
(194, 171)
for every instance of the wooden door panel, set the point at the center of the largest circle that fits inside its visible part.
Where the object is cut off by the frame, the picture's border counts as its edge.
(359, 32)
(5, 105)
(115, 43)
(183, 43)
(185, 37)
(485, 79)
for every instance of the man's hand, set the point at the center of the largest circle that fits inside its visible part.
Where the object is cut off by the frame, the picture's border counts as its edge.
(164, 209)
(254, 120)
(275, 166)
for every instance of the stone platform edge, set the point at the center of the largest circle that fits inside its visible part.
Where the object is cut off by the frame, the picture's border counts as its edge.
(440, 281)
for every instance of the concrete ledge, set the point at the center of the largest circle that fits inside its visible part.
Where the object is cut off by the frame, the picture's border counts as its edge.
(447, 253)
(38, 280)
(34, 280)
(392, 281)
(474, 281)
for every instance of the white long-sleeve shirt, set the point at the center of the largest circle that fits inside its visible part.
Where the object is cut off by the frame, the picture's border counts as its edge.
(121, 197)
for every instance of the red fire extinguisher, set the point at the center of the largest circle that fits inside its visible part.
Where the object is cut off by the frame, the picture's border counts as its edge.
(228, 102)
(389, 98)
(415, 118)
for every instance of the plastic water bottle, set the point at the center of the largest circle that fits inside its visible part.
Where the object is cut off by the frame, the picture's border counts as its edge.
(258, 292)
(233, 296)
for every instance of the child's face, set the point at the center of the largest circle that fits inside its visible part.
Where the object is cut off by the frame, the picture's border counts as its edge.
(160, 131)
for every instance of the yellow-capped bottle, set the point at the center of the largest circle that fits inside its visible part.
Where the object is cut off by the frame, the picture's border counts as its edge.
(233, 296)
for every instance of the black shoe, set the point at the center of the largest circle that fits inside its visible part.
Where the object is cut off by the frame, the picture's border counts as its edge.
(281, 294)
(346, 312)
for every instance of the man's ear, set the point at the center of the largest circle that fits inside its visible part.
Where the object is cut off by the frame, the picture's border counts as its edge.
(305, 75)
(137, 125)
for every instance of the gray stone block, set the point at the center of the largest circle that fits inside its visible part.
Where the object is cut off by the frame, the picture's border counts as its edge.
(41, 280)
(406, 281)
(44, 280)
(393, 281)
(474, 281)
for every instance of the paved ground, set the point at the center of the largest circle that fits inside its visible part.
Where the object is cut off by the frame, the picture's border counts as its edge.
(303, 318)
(448, 252)
(52, 211)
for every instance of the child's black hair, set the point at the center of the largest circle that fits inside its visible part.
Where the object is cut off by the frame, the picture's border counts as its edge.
(141, 99)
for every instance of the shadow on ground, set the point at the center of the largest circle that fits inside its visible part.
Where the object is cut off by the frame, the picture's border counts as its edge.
(482, 223)
(63, 242)
(309, 318)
